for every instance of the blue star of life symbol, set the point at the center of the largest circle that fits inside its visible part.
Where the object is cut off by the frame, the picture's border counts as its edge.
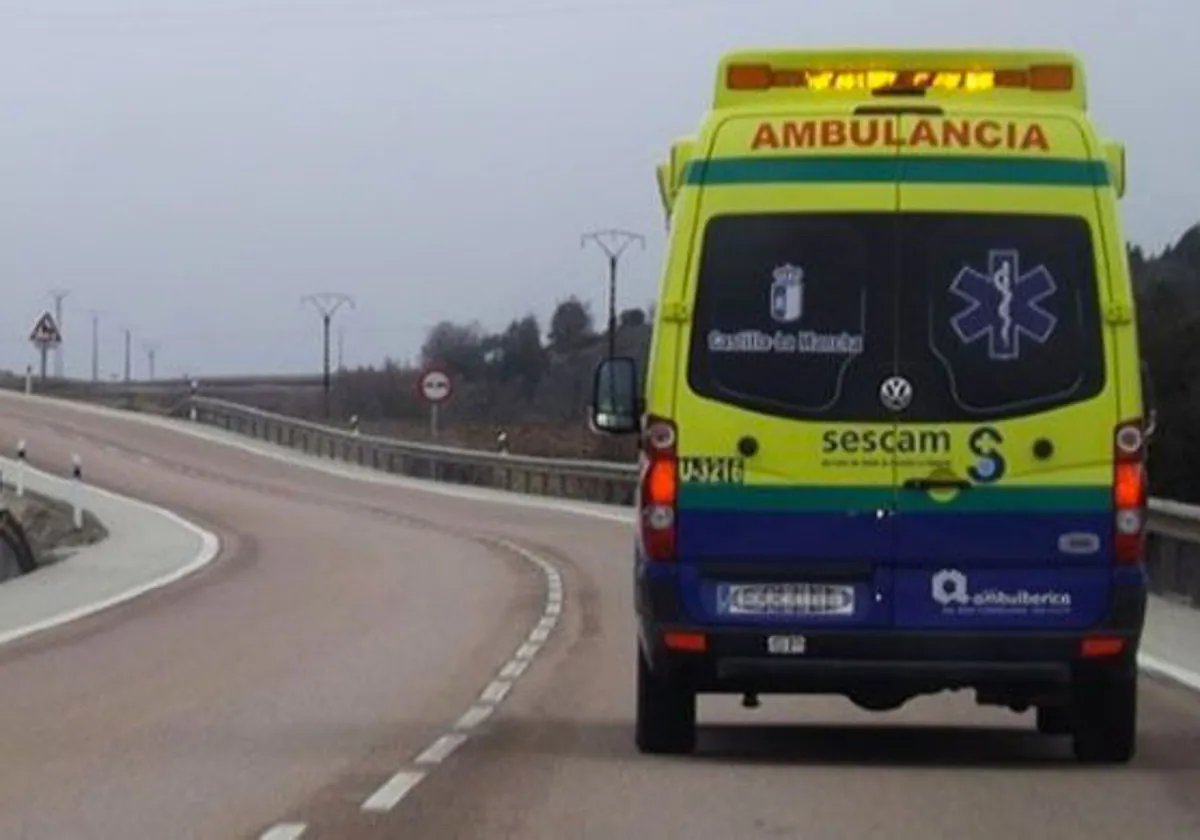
(1004, 305)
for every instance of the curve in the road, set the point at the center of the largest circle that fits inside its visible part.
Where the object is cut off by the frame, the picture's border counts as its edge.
(387, 654)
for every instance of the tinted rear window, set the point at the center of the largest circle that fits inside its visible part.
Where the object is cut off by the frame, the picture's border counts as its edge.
(988, 316)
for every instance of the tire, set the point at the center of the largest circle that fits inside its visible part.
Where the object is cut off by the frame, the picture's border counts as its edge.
(1104, 717)
(1054, 720)
(666, 713)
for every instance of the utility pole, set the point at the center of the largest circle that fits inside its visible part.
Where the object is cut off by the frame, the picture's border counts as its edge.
(327, 303)
(58, 295)
(151, 348)
(95, 346)
(341, 363)
(613, 243)
(128, 355)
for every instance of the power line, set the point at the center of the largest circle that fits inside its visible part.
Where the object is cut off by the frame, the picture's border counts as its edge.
(151, 348)
(95, 345)
(327, 303)
(614, 244)
(58, 295)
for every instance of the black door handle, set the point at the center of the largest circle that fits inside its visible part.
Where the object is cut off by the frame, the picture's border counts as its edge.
(937, 484)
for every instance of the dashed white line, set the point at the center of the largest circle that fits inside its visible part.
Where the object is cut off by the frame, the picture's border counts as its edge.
(474, 716)
(527, 651)
(441, 749)
(539, 634)
(392, 791)
(284, 831)
(496, 691)
(514, 669)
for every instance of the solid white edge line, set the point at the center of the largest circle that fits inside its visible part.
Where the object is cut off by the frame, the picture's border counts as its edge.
(441, 749)
(284, 831)
(1162, 668)
(389, 794)
(350, 472)
(210, 547)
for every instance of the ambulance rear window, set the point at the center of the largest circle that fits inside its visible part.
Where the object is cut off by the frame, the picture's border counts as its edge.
(794, 314)
(986, 315)
(999, 313)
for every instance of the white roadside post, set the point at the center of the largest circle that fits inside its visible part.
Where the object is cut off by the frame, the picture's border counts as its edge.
(77, 495)
(195, 389)
(20, 469)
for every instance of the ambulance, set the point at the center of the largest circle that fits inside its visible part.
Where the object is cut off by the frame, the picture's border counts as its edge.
(892, 432)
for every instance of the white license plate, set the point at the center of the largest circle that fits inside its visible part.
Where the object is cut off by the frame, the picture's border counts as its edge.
(787, 645)
(786, 599)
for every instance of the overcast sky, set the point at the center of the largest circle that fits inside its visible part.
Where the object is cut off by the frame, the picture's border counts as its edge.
(191, 168)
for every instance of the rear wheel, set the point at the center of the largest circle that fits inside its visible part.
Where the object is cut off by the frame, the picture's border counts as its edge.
(666, 712)
(1104, 716)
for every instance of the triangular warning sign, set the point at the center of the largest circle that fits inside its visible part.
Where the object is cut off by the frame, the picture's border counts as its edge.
(45, 331)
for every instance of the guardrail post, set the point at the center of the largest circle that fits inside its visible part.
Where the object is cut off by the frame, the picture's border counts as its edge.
(20, 468)
(77, 490)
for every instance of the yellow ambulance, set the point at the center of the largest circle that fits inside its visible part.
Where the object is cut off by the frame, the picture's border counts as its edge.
(892, 430)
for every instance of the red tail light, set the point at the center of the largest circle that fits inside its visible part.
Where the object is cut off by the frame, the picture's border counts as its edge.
(659, 489)
(1130, 493)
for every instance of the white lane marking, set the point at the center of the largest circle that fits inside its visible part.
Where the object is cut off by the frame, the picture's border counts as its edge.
(474, 716)
(284, 831)
(396, 788)
(440, 750)
(277, 452)
(514, 669)
(527, 651)
(496, 691)
(1163, 668)
(145, 459)
(210, 547)
(392, 791)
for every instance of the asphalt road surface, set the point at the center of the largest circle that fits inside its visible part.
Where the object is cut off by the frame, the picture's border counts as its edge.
(347, 626)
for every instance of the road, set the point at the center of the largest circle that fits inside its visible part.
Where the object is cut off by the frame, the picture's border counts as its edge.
(348, 625)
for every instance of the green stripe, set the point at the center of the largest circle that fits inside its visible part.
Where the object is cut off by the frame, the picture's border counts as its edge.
(925, 170)
(816, 499)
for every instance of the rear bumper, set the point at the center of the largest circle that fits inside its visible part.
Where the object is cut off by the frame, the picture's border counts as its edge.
(739, 660)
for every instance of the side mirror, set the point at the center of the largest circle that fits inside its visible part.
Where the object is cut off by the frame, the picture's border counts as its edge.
(616, 407)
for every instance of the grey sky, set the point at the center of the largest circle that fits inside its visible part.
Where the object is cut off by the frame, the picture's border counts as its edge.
(192, 167)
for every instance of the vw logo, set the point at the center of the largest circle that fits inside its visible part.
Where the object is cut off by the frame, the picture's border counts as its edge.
(896, 393)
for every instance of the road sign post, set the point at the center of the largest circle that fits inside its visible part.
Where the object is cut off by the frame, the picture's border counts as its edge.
(45, 335)
(434, 387)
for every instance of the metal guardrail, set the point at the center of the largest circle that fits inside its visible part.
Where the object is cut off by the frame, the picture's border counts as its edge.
(1173, 545)
(595, 481)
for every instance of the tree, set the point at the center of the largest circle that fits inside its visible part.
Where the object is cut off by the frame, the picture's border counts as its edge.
(571, 326)
(521, 357)
(459, 347)
(632, 318)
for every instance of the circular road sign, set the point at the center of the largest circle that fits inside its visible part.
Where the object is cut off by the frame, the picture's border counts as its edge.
(435, 386)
